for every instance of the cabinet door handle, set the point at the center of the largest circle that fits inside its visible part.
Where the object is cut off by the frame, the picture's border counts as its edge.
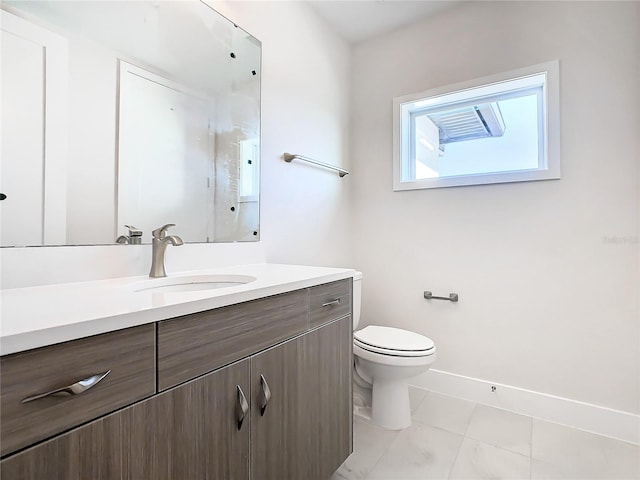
(266, 394)
(332, 302)
(77, 388)
(242, 407)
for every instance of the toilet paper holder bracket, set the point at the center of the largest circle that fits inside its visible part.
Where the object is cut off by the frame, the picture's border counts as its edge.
(453, 297)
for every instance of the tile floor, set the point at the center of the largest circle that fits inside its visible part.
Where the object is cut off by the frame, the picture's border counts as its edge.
(456, 439)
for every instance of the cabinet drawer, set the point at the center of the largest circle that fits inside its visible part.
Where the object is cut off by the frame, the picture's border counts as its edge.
(198, 343)
(129, 354)
(329, 302)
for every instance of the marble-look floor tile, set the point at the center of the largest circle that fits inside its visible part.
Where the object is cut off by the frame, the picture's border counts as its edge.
(501, 428)
(442, 411)
(478, 461)
(416, 396)
(419, 452)
(545, 471)
(369, 444)
(572, 453)
(495, 446)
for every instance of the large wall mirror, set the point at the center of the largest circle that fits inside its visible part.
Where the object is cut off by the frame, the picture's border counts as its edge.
(137, 113)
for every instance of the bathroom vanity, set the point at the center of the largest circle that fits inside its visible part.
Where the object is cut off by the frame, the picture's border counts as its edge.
(234, 373)
(248, 381)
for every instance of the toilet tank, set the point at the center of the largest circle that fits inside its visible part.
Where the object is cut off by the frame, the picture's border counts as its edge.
(357, 298)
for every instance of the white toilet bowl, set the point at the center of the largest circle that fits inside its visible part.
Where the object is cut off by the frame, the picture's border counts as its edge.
(386, 358)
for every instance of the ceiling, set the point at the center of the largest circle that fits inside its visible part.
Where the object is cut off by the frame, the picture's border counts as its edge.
(358, 20)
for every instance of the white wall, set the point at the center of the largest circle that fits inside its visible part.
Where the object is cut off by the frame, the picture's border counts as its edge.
(547, 271)
(304, 210)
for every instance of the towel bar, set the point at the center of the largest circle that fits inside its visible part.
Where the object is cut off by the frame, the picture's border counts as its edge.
(290, 156)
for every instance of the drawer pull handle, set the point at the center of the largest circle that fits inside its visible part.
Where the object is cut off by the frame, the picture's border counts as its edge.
(242, 408)
(332, 302)
(266, 395)
(77, 388)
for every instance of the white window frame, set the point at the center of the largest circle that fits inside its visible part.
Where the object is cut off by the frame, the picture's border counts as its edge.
(249, 173)
(549, 137)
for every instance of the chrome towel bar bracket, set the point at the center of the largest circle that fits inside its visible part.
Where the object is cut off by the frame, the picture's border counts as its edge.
(453, 297)
(290, 156)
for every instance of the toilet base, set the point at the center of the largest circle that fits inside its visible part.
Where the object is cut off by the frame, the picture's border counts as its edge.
(390, 406)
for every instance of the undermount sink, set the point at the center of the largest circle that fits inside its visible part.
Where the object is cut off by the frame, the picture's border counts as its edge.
(191, 283)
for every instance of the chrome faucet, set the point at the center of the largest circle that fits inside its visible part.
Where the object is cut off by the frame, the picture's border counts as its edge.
(134, 237)
(159, 245)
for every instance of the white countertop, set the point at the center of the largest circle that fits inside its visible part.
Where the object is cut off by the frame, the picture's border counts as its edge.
(34, 317)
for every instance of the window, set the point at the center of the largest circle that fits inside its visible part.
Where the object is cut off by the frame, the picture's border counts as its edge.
(249, 183)
(503, 128)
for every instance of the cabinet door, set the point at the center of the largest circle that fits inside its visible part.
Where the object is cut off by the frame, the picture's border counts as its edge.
(305, 431)
(90, 452)
(326, 397)
(191, 431)
(277, 448)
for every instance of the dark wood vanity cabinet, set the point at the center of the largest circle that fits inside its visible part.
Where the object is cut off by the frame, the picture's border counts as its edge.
(300, 430)
(297, 425)
(191, 431)
(305, 430)
(128, 355)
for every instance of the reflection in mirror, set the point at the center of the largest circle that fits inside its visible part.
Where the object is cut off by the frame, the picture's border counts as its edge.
(139, 113)
(165, 154)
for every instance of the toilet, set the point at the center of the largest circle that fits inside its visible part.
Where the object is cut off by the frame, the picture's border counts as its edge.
(385, 360)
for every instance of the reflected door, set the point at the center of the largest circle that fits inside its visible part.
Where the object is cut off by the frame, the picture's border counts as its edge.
(21, 174)
(33, 116)
(164, 166)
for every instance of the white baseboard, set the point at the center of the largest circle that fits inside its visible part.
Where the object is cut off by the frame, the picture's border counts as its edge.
(584, 416)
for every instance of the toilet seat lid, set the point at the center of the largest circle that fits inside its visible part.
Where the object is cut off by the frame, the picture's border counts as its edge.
(393, 340)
